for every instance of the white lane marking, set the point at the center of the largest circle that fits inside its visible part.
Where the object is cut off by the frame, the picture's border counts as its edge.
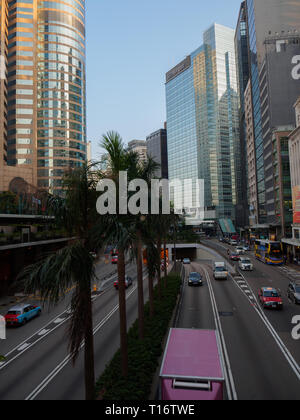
(286, 353)
(24, 347)
(282, 347)
(37, 333)
(59, 320)
(230, 385)
(61, 366)
(43, 332)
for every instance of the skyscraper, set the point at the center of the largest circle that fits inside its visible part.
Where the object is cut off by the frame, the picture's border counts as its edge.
(157, 149)
(46, 94)
(242, 58)
(272, 28)
(203, 123)
(3, 83)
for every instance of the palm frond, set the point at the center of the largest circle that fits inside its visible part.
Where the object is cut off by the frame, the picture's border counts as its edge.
(52, 276)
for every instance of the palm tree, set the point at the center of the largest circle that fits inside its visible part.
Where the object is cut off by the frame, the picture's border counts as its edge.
(72, 266)
(153, 265)
(146, 172)
(118, 230)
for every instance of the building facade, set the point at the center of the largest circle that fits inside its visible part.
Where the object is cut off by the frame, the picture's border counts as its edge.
(251, 158)
(294, 148)
(139, 147)
(46, 93)
(273, 37)
(3, 83)
(203, 121)
(243, 71)
(157, 149)
(282, 194)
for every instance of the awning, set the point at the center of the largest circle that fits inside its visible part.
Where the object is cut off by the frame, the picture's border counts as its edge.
(293, 242)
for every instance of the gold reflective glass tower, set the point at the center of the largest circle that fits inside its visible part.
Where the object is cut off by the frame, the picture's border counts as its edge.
(46, 93)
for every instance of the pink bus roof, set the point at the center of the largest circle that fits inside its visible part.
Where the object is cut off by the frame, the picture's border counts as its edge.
(193, 354)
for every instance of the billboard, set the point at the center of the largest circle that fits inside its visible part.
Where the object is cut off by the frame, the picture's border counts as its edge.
(296, 204)
(180, 68)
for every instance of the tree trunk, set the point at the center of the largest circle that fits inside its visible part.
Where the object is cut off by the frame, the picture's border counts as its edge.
(159, 271)
(165, 262)
(89, 363)
(151, 296)
(122, 311)
(140, 286)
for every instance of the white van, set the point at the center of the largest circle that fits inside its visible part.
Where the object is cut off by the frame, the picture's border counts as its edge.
(220, 271)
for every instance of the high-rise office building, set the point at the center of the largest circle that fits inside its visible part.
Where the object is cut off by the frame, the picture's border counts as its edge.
(157, 149)
(46, 94)
(3, 83)
(203, 121)
(273, 37)
(139, 147)
(242, 58)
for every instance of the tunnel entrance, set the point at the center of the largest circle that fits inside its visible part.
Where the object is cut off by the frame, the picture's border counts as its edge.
(184, 252)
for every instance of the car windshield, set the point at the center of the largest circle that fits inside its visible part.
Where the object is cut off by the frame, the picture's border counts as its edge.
(14, 313)
(271, 294)
(246, 262)
(194, 276)
(297, 288)
(220, 269)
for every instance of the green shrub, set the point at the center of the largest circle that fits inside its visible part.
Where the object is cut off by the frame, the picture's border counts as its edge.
(143, 355)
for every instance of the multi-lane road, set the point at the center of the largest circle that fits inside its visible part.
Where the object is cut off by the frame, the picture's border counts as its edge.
(260, 356)
(37, 363)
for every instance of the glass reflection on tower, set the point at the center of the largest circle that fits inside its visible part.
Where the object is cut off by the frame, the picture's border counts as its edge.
(203, 121)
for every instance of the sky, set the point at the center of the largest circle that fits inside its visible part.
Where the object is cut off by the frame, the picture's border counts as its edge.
(131, 45)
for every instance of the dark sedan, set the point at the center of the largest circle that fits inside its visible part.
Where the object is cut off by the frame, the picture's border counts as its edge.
(128, 283)
(294, 292)
(195, 279)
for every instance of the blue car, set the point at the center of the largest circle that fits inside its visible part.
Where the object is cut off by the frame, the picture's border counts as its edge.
(21, 314)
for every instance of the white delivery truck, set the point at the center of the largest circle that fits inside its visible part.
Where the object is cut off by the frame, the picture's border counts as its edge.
(220, 271)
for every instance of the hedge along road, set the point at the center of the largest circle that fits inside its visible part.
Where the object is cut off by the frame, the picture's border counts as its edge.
(259, 365)
(29, 370)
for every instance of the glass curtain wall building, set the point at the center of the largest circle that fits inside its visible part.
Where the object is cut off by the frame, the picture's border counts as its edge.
(203, 123)
(46, 110)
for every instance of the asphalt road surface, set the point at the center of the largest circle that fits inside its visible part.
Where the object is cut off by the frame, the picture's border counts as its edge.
(260, 356)
(263, 357)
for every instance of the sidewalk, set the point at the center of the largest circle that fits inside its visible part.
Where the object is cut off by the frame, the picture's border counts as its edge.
(292, 271)
(6, 302)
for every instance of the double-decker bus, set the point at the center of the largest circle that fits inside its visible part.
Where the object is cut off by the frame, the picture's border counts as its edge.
(269, 252)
